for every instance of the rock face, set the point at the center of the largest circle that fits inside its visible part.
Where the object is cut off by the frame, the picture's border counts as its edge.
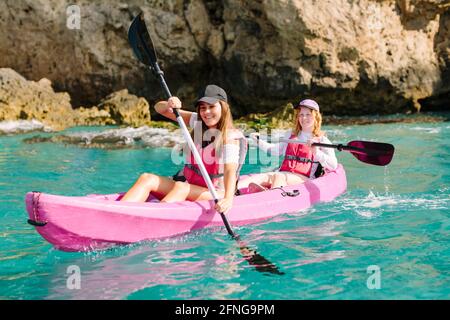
(28, 100)
(126, 109)
(354, 57)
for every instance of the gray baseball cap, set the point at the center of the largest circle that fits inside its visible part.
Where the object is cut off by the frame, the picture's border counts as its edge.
(212, 94)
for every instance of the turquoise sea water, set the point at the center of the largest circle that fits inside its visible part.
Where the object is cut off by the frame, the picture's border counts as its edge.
(396, 218)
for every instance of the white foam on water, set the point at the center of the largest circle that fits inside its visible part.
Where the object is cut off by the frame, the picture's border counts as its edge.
(151, 137)
(373, 205)
(21, 126)
(337, 134)
(315, 257)
(163, 138)
(427, 130)
(368, 214)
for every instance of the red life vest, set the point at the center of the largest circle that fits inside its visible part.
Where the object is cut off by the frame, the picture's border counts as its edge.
(298, 158)
(192, 171)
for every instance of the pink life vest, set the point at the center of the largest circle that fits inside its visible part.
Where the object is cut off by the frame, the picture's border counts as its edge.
(298, 158)
(192, 171)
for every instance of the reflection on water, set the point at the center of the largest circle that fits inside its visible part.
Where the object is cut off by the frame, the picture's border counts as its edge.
(395, 217)
(110, 277)
(143, 269)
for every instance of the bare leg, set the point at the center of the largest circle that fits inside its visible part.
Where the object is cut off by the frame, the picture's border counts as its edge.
(259, 178)
(147, 183)
(278, 180)
(254, 188)
(282, 179)
(184, 191)
(179, 191)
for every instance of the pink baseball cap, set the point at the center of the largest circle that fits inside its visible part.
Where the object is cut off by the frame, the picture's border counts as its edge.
(308, 103)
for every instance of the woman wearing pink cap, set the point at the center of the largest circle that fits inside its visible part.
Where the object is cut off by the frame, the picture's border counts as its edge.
(302, 161)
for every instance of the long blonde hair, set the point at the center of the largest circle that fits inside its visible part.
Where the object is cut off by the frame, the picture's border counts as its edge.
(317, 132)
(224, 125)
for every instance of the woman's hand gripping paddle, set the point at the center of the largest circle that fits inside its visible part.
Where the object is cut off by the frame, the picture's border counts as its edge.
(142, 45)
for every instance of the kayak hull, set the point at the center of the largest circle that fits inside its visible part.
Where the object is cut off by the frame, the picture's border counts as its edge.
(99, 221)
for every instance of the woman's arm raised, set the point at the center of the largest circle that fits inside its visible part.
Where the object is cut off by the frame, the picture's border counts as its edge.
(165, 108)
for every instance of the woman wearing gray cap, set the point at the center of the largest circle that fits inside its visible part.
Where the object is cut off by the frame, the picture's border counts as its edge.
(302, 161)
(223, 157)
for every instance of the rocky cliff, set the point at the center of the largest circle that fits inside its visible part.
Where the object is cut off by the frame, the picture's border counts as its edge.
(354, 56)
(30, 100)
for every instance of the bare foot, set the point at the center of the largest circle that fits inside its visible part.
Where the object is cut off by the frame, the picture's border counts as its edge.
(254, 188)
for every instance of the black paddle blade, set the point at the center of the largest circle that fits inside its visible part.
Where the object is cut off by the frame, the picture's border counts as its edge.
(376, 153)
(140, 41)
(260, 263)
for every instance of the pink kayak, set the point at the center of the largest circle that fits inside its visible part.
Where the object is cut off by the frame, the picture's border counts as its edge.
(100, 221)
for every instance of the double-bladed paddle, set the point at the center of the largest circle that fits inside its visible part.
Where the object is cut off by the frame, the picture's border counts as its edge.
(376, 153)
(142, 45)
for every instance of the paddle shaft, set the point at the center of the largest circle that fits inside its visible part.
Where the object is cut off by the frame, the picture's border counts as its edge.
(157, 70)
(142, 46)
(339, 147)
